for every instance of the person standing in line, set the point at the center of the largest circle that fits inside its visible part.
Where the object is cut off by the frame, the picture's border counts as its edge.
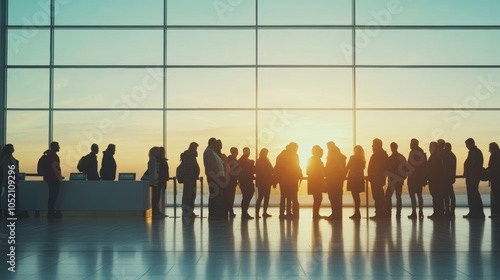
(289, 175)
(53, 177)
(191, 175)
(224, 180)
(163, 177)
(335, 173)
(473, 166)
(436, 174)
(417, 178)
(494, 173)
(214, 171)
(154, 152)
(246, 182)
(450, 166)
(397, 173)
(234, 171)
(356, 178)
(377, 169)
(264, 177)
(316, 179)
(92, 174)
(108, 166)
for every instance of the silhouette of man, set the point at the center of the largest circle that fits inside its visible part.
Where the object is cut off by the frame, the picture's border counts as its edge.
(335, 173)
(397, 172)
(191, 175)
(234, 171)
(417, 177)
(288, 172)
(436, 181)
(246, 178)
(472, 169)
(92, 174)
(450, 167)
(53, 177)
(214, 170)
(108, 166)
(377, 168)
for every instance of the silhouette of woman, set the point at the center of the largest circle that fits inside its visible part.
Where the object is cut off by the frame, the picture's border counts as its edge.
(264, 174)
(356, 178)
(316, 179)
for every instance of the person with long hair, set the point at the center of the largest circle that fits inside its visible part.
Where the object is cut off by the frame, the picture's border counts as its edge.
(356, 178)
(264, 177)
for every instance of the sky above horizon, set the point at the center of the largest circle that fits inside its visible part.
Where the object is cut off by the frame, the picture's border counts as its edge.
(302, 89)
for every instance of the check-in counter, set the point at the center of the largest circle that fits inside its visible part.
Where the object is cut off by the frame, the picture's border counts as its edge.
(131, 196)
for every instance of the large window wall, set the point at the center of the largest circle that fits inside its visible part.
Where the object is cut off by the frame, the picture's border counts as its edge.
(253, 73)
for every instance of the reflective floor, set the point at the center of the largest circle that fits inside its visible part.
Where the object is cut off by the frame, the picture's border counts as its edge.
(131, 248)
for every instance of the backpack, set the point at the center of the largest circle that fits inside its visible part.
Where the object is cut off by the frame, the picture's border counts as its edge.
(42, 168)
(180, 174)
(83, 164)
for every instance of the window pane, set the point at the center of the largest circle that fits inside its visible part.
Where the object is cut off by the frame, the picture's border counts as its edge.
(108, 88)
(428, 88)
(234, 128)
(305, 88)
(133, 133)
(110, 12)
(211, 88)
(28, 88)
(299, 12)
(29, 12)
(211, 47)
(28, 131)
(309, 47)
(277, 128)
(202, 12)
(108, 47)
(28, 47)
(427, 12)
(429, 47)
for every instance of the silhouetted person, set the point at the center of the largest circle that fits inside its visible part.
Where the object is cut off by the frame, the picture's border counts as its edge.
(264, 178)
(450, 169)
(288, 174)
(436, 181)
(191, 175)
(472, 170)
(92, 174)
(163, 176)
(356, 178)
(10, 164)
(417, 177)
(335, 172)
(397, 168)
(214, 170)
(225, 179)
(246, 182)
(53, 177)
(234, 171)
(494, 173)
(316, 179)
(154, 152)
(108, 166)
(377, 168)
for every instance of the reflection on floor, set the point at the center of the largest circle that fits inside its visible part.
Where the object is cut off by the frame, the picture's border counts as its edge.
(131, 248)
